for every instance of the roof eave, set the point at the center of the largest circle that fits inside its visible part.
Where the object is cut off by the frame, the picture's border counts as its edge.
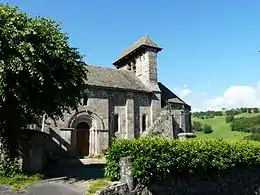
(118, 88)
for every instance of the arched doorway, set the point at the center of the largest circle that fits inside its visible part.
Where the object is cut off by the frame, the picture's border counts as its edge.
(82, 143)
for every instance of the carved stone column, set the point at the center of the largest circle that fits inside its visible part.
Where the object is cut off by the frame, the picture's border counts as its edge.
(130, 131)
(90, 142)
(95, 143)
(126, 174)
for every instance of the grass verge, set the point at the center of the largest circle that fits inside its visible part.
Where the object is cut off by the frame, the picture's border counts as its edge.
(96, 185)
(20, 181)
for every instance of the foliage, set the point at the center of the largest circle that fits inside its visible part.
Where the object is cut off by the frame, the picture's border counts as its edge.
(254, 136)
(229, 118)
(211, 114)
(223, 129)
(155, 159)
(256, 110)
(39, 73)
(19, 181)
(9, 168)
(207, 114)
(207, 129)
(246, 124)
(196, 126)
(96, 185)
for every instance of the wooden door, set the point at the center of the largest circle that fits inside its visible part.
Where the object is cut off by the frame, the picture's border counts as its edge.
(82, 145)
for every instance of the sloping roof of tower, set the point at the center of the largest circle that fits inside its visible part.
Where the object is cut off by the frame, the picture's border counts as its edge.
(168, 95)
(144, 41)
(114, 78)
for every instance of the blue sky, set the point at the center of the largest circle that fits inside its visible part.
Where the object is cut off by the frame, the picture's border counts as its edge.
(210, 55)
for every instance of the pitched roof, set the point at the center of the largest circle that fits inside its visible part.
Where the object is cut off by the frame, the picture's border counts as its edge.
(169, 96)
(144, 41)
(114, 78)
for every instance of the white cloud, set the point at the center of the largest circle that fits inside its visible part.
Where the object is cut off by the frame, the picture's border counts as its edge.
(235, 96)
(185, 92)
(182, 93)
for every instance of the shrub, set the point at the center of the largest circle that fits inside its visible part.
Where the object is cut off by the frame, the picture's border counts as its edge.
(229, 118)
(196, 126)
(155, 159)
(207, 129)
(9, 168)
(245, 124)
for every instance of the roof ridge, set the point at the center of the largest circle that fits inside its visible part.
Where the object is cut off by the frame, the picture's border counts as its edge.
(145, 40)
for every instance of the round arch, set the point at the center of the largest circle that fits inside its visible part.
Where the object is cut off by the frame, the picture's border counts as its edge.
(95, 124)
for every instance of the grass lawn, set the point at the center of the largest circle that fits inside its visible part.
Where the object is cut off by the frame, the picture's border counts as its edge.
(96, 185)
(20, 181)
(222, 129)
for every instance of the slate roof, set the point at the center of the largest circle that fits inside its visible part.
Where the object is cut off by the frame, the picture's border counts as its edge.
(114, 78)
(144, 41)
(169, 96)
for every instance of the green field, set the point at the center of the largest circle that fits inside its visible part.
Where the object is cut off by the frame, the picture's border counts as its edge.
(221, 129)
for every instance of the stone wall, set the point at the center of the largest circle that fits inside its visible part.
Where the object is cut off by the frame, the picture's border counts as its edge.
(240, 180)
(38, 147)
(100, 109)
(243, 180)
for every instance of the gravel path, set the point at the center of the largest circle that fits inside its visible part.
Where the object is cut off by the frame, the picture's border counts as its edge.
(80, 172)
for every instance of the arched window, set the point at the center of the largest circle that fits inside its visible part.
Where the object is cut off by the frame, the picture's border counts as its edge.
(143, 122)
(116, 122)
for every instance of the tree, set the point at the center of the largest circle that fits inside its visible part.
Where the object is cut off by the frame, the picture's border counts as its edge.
(256, 110)
(39, 73)
(229, 118)
(196, 126)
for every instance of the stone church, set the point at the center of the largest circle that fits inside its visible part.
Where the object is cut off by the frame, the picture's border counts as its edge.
(127, 101)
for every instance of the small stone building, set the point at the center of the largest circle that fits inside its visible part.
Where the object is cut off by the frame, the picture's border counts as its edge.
(125, 102)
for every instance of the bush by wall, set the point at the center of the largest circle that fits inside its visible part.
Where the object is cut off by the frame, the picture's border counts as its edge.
(155, 159)
(9, 168)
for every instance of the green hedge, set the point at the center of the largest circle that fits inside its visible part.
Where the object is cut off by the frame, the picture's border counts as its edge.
(155, 159)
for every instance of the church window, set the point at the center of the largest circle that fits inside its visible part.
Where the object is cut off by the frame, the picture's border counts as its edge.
(85, 100)
(116, 122)
(143, 122)
(134, 68)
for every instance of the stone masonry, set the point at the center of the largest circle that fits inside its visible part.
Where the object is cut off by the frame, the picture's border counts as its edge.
(124, 102)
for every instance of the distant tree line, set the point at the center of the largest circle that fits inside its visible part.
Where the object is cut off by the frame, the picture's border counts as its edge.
(232, 112)
(207, 114)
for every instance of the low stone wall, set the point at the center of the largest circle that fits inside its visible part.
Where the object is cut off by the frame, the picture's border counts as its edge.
(116, 188)
(39, 147)
(240, 180)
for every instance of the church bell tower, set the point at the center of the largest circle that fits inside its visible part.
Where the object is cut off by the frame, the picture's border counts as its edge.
(141, 58)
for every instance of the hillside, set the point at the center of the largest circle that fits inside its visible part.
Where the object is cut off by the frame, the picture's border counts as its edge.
(221, 128)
